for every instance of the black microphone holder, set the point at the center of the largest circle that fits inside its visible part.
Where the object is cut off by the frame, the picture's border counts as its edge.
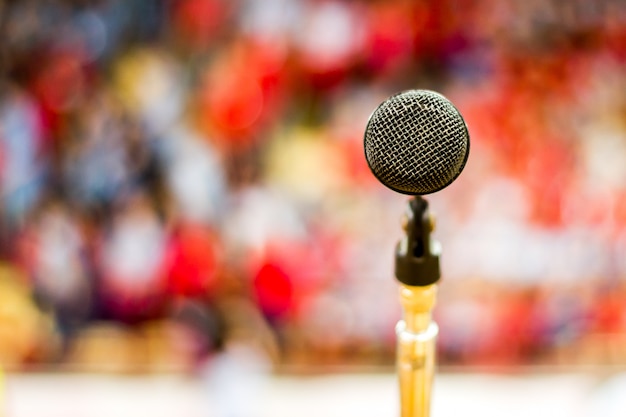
(417, 255)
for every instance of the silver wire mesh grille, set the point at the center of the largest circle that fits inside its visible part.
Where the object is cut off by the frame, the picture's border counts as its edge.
(416, 142)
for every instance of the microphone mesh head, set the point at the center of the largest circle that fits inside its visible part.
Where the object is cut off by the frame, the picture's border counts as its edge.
(416, 142)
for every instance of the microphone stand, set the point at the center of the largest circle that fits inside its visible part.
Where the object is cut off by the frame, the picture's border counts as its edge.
(417, 271)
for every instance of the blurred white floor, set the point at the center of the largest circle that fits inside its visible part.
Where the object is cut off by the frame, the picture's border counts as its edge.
(563, 395)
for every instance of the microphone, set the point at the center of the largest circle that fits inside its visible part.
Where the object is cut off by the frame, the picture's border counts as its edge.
(416, 143)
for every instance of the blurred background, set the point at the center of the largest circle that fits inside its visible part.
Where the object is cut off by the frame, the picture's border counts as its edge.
(184, 192)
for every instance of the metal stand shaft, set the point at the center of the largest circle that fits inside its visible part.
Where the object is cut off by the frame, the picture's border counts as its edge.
(417, 271)
(416, 336)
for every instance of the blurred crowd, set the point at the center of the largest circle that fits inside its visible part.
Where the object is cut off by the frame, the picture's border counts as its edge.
(178, 177)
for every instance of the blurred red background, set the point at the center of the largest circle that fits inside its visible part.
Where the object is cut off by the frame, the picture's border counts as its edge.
(180, 175)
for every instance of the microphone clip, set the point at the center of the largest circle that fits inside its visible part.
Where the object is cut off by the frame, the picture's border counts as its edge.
(417, 255)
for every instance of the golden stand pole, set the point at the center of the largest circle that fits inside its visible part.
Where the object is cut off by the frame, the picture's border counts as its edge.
(417, 271)
(416, 335)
